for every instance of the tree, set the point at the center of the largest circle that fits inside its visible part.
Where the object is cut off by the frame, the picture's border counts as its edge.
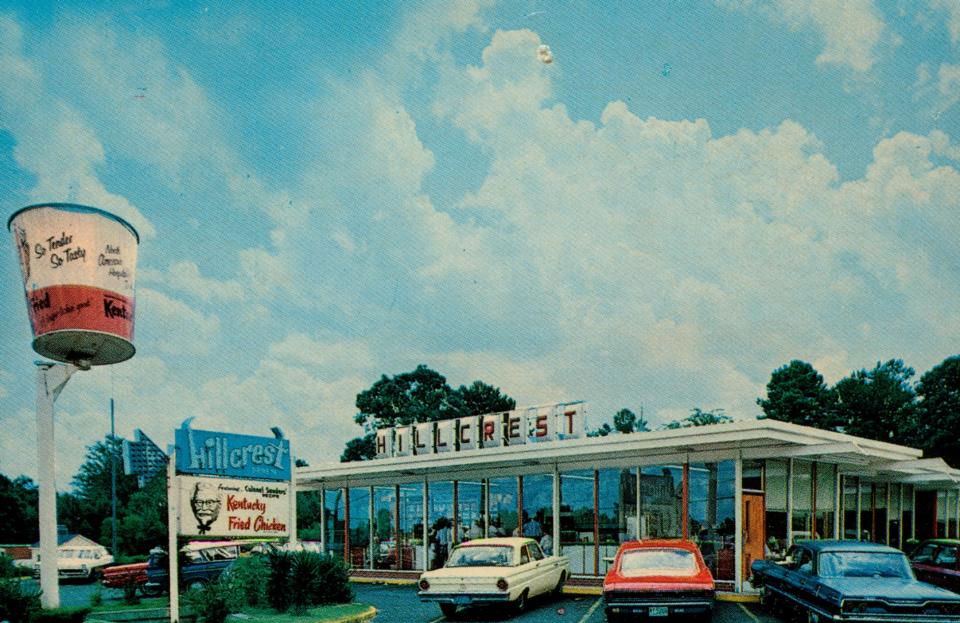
(18, 510)
(699, 417)
(626, 421)
(796, 393)
(360, 449)
(422, 395)
(879, 404)
(938, 410)
(143, 519)
(92, 489)
(481, 398)
(604, 430)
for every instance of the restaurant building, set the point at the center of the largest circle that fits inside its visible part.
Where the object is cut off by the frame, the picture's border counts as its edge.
(742, 490)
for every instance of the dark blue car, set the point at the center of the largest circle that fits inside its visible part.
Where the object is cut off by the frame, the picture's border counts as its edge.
(851, 581)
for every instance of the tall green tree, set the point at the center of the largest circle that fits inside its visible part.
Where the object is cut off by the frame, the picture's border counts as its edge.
(18, 510)
(626, 421)
(422, 395)
(879, 403)
(143, 519)
(699, 417)
(938, 410)
(797, 393)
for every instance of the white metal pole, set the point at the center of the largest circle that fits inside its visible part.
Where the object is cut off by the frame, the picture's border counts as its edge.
(51, 378)
(173, 553)
(738, 522)
(639, 494)
(425, 564)
(371, 545)
(900, 543)
(887, 515)
(859, 509)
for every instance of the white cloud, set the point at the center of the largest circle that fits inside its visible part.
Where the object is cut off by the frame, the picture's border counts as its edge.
(185, 277)
(172, 326)
(851, 30)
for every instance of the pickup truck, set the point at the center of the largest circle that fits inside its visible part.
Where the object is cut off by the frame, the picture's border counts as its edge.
(200, 564)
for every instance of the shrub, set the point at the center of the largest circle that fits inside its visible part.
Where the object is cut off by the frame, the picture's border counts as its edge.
(245, 582)
(209, 603)
(96, 598)
(8, 569)
(60, 615)
(16, 603)
(278, 592)
(303, 579)
(130, 595)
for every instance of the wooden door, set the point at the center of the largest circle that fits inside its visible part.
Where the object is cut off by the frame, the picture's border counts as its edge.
(754, 530)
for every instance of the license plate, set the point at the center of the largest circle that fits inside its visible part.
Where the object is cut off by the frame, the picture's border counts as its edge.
(659, 611)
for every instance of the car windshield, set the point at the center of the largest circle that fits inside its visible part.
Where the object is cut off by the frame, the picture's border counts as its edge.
(481, 556)
(864, 565)
(646, 562)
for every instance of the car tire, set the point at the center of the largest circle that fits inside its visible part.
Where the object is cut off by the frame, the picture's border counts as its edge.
(448, 610)
(195, 585)
(520, 603)
(151, 591)
(558, 589)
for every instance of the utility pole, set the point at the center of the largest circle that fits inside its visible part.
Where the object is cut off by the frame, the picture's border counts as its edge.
(113, 483)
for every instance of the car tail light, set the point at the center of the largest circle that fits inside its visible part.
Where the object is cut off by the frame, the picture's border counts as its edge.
(424, 585)
(502, 584)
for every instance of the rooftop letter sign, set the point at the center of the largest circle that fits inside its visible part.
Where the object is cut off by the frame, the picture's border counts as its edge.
(492, 430)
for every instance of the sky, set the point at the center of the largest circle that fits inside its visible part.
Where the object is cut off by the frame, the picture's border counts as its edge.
(689, 196)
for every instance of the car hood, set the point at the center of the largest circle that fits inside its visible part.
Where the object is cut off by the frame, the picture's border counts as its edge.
(897, 588)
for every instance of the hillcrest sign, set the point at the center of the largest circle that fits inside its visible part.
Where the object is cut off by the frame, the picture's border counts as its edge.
(493, 430)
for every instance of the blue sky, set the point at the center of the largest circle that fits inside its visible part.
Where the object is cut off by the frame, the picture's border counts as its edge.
(686, 198)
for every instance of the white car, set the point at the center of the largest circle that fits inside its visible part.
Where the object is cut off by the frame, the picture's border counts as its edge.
(494, 571)
(79, 562)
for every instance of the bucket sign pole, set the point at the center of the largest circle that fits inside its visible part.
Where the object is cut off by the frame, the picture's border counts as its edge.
(78, 265)
(51, 379)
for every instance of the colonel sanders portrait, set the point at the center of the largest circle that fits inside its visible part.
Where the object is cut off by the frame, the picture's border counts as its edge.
(205, 502)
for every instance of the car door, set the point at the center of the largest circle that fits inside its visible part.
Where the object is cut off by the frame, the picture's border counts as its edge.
(801, 579)
(923, 565)
(543, 579)
(527, 571)
(947, 567)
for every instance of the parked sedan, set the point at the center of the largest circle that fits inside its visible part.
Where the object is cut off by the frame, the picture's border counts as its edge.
(936, 561)
(852, 581)
(494, 571)
(658, 579)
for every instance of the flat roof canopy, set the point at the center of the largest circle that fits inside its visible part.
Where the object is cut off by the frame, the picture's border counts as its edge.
(746, 439)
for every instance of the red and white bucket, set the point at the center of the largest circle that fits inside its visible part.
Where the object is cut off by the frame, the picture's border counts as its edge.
(78, 265)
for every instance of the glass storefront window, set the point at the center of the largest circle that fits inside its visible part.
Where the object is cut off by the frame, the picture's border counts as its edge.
(894, 513)
(617, 512)
(411, 527)
(850, 485)
(826, 499)
(385, 550)
(503, 506)
(661, 500)
(440, 522)
(941, 514)
(576, 520)
(802, 492)
(470, 510)
(878, 518)
(711, 514)
(333, 518)
(907, 516)
(360, 527)
(538, 507)
(775, 497)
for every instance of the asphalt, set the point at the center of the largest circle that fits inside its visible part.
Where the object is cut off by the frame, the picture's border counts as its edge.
(399, 604)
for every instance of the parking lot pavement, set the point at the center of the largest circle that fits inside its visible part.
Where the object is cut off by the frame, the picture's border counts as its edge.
(399, 604)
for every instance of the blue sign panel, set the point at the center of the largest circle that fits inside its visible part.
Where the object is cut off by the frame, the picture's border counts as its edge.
(237, 456)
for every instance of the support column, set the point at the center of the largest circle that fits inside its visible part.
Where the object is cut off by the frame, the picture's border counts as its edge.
(837, 501)
(371, 541)
(900, 513)
(859, 509)
(789, 503)
(813, 501)
(913, 512)
(887, 515)
(346, 525)
(738, 523)
(556, 511)
(685, 509)
(519, 505)
(425, 563)
(455, 536)
(639, 503)
(596, 522)
(323, 519)
(873, 512)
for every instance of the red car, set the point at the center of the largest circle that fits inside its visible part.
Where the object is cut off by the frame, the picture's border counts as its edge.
(658, 580)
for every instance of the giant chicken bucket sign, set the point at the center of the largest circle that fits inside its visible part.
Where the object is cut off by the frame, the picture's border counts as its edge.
(78, 267)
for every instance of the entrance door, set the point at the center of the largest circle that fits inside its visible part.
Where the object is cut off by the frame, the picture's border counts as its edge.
(754, 530)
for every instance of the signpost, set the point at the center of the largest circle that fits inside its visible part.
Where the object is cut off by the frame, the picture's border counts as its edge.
(225, 485)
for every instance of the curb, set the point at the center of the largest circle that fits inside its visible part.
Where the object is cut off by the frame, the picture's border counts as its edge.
(356, 618)
(388, 581)
(739, 598)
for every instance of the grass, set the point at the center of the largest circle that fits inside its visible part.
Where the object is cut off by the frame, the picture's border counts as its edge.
(313, 615)
(145, 604)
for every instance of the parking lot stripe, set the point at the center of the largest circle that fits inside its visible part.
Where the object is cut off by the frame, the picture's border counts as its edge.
(749, 614)
(438, 619)
(590, 612)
